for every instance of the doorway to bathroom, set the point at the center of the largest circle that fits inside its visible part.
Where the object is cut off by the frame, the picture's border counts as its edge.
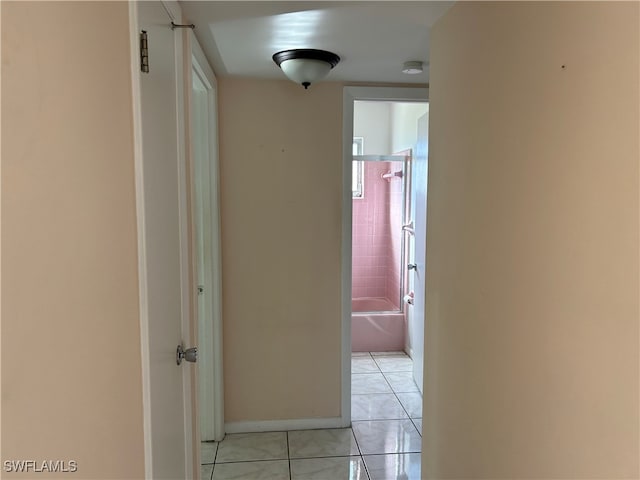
(385, 163)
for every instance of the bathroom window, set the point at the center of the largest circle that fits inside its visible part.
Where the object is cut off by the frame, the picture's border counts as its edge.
(357, 177)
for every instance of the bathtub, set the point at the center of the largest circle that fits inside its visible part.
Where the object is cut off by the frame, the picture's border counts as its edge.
(376, 326)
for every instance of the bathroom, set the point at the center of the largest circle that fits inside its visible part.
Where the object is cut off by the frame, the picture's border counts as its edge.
(384, 188)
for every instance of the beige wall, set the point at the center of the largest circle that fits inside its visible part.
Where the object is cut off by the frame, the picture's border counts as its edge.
(71, 372)
(281, 188)
(532, 324)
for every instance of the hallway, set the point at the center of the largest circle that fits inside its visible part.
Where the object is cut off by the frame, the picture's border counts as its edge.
(384, 442)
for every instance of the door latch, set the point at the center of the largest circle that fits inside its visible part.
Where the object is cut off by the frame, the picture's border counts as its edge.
(190, 354)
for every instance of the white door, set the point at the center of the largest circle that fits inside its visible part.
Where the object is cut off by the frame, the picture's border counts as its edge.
(206, 216)
(419, 183)
(161, 183)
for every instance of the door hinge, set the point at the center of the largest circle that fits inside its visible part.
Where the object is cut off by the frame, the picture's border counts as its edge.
(144, 52)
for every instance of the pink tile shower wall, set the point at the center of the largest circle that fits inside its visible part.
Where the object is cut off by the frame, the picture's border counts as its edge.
(370, 228)
(376, 253)
(394, 268)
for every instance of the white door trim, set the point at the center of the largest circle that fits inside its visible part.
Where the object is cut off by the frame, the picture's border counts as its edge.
(350, 95)
(140, 220)
(201, 67)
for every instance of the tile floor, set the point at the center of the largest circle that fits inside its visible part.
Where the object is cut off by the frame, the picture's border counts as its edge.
(383, 443)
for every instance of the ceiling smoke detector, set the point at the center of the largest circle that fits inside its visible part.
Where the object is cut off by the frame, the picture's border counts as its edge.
(412, 68)
(306, 65)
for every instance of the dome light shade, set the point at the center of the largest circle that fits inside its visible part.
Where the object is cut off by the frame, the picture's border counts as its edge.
(305, 65)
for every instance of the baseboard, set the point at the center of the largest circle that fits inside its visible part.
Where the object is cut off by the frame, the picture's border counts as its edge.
(284, 425)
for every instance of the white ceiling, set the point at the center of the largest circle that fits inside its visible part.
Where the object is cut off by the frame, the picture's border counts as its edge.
(372, 38)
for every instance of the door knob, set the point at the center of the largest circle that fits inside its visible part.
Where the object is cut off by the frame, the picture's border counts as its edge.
(190, 354)
(412, 266)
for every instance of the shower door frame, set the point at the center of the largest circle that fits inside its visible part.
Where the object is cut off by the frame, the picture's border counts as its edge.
(406, 205)
(351, 95)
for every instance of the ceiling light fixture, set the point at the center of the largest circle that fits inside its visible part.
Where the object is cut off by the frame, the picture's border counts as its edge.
(412, 68)
(306, 65)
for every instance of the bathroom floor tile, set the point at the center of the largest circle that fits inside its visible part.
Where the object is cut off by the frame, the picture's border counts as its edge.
(265, 470)
(336, 468)
(401, 381)
(418, 423)
(208, 452)
(387, 436)
(205, 472)
(394, 364)
(364, 365)
(243, 447)
(376, 406)
(412, 403)
(369, 383)
(404, 466)
(338, 442)
(389, 354)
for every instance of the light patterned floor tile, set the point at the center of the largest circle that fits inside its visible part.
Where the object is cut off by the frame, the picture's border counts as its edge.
(412, 403)
(336, 468)
(401, 382)
(418, 423)
(394, 364)
(369, 383)
(387, 436)
(401, 466)
(364, 365)
(390, 447)
(265, 470)
(205, 472)
(243, 447)
(208, 452)
(376, 406)
(337, 442)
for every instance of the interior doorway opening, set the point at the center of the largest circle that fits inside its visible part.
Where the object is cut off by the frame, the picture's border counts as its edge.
(379, 227)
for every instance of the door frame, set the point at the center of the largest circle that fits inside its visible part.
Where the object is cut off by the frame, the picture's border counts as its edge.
(213, 390)
(349, 96)
(191, 455)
